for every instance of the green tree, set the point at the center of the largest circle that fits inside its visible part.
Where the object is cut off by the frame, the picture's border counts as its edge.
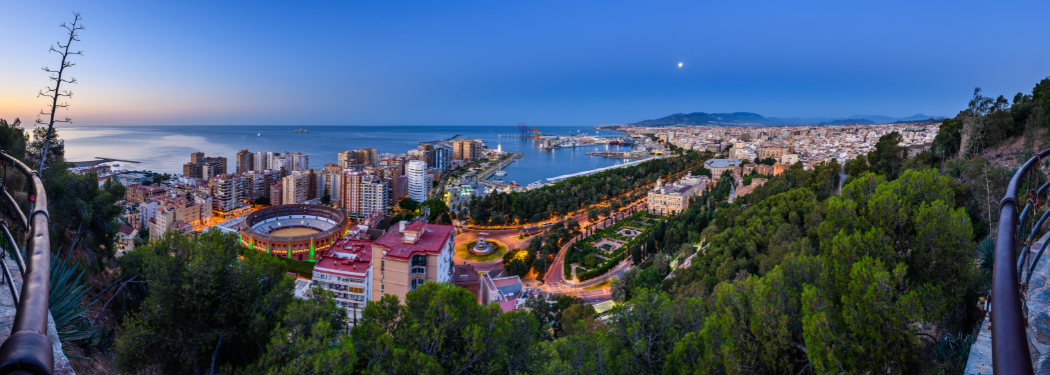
(857, 166)
(82, 212)
(13, 138)
(310, 338)
(437, 207)
(888, 155)
(326, 198)
(209, 305)
(578, 318)
(441, 329)
(948, 141)
(408, 204)
(56, 148)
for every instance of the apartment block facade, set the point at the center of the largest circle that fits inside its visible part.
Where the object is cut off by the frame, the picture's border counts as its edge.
(409, 255)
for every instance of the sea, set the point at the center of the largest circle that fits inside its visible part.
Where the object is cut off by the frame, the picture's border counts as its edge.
(165, 149)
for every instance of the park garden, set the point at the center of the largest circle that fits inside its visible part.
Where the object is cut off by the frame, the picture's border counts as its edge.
(604, 248)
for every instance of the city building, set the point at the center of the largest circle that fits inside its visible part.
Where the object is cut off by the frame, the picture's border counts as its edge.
(261, 161)
(296, 187)
(416, 170)
(228, 192)
(358, 158)
(672, 199)
(167, 221)
(276, 194)
(348, 159)
(718, 166)
(140, 193)
(245, 161)
(504, 291)
(440, 158)
(259, 182)
(411, 254)
(147, 211)
(297, 161)
(329, 182)
(350, 190)
(126, 239)
(772, 152)
(373, 196)
(466, 149)
(196, 167)
(345, 269)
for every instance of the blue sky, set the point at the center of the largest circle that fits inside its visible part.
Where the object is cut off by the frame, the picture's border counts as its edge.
(498, 63)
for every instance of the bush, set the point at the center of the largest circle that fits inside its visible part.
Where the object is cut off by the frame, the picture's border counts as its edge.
(590, 260)
(601, 270)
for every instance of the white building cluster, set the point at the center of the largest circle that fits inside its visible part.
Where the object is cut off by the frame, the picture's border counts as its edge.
(808, 144)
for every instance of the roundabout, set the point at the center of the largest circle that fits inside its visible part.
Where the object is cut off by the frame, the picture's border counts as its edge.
(481, 250)
(293, 231)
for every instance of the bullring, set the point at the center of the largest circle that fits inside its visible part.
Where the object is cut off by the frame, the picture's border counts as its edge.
(293, 231)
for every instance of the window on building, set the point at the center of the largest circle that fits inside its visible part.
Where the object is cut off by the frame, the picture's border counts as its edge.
(416, 270)
(419, 260)
(416, 283)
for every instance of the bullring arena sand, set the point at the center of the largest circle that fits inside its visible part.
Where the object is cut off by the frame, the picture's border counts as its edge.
(292, 232)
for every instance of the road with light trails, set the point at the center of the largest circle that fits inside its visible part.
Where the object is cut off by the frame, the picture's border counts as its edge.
(554, 281)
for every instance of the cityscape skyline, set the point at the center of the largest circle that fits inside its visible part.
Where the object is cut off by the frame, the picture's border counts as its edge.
(544, 63)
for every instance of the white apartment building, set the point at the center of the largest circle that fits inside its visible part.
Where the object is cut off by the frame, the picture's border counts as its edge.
(416, 170)
(262, 161)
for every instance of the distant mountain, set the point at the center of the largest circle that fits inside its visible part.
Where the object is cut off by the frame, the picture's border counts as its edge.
(701, 118)
(853, 121)
(890, 120)
(752, 119)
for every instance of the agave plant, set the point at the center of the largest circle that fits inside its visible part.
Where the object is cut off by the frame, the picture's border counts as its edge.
(985, 257)
(67, 294)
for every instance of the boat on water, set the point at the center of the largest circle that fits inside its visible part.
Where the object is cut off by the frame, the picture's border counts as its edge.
(259, 135)
(301, 130)
(500, 173)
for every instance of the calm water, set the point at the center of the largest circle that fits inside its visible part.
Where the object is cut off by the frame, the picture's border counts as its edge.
(167, 148)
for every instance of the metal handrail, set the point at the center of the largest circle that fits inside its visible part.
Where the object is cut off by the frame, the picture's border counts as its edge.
(1010, 352)
(28, 349)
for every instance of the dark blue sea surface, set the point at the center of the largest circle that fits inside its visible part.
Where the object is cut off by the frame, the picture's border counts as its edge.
(167, 148)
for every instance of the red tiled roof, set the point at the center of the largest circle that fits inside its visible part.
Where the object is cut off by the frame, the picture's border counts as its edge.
(507, 305)
(346, 256)
(126, 229)
(464, 274)
(431, 240)
(504, 281)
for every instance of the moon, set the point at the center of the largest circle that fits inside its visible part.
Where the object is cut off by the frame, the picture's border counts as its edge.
(679, 65)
